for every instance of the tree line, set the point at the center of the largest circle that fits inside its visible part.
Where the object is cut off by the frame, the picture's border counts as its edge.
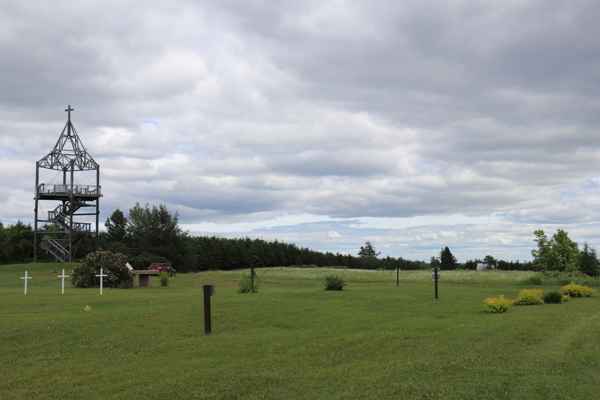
(16, 243)
(152, 234)
(155, 230)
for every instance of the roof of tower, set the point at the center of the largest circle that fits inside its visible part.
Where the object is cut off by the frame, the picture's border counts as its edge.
(68, 149)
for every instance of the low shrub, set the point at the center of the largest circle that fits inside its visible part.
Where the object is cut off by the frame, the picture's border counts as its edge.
(117, 274)
(575, 290)
(553, 297)
(164, 278)
(529, 297)
(533, 280)
(497, 305)
(246, 285)
(144, 260)
(561, 278)
(566, 297)
(334, 282)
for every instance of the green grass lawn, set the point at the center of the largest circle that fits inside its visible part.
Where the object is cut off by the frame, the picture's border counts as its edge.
(293, 339)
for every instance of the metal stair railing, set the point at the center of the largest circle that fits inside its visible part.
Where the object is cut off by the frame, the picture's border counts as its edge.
(55, 248)
(61, 219)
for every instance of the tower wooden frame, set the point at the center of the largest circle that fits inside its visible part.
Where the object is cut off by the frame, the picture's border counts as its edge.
(75, 201)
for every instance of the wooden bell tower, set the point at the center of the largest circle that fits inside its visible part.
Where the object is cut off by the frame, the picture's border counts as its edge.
(70, 201)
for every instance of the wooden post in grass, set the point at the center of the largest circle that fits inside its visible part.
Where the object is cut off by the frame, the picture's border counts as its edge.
(436, 278)
(209, 290)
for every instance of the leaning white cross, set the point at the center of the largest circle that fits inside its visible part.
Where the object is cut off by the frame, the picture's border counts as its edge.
(101, 278)
(62, 284)
(25, 277)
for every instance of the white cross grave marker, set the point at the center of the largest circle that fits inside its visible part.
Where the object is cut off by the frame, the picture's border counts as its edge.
(101, 278)
(62, 284)
(25, 277)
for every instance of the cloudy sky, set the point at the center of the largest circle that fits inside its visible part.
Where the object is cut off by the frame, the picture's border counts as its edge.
(414, 125)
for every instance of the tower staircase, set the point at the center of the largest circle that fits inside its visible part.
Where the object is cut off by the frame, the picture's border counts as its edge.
(59, 247)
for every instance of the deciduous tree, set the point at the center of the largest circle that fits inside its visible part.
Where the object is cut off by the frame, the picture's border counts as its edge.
(16, 241)
(490, 261)
(557, 254)
(157, 231)
(116, 227)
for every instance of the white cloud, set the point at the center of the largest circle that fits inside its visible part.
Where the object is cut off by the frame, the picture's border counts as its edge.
(448, 234)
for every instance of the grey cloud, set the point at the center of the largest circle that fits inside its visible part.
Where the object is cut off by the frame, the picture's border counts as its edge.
(230, 111)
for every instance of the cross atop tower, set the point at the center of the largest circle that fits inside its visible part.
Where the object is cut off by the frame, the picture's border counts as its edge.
(68, 148)
(69, 109)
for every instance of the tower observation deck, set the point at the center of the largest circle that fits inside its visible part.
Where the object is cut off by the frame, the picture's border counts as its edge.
(72, 204)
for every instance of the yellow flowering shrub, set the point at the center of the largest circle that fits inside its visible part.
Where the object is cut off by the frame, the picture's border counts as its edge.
(497, 305)
(566, 297)
(575, 290)
(530, 297)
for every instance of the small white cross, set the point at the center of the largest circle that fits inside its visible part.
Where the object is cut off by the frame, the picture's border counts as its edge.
(101, 278)
(25, 277)
(62, 285)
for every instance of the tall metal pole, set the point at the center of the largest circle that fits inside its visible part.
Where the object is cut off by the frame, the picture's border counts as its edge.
(71, 214)
(35, 210)
(97, 204)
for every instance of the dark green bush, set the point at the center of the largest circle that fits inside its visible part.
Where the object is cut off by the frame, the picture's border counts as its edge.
(144, 260)
(554, 297)
(164, 278)
(246, 285)
(533, 280)
(334, 282)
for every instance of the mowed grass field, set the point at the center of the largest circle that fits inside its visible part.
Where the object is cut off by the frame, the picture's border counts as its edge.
(294, 340)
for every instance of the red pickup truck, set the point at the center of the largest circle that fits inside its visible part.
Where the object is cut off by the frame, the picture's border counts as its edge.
(163, 267)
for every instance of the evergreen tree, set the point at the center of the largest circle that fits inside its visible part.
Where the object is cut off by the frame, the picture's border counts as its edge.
(447, 259)
(588, 261)
(3, 252)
